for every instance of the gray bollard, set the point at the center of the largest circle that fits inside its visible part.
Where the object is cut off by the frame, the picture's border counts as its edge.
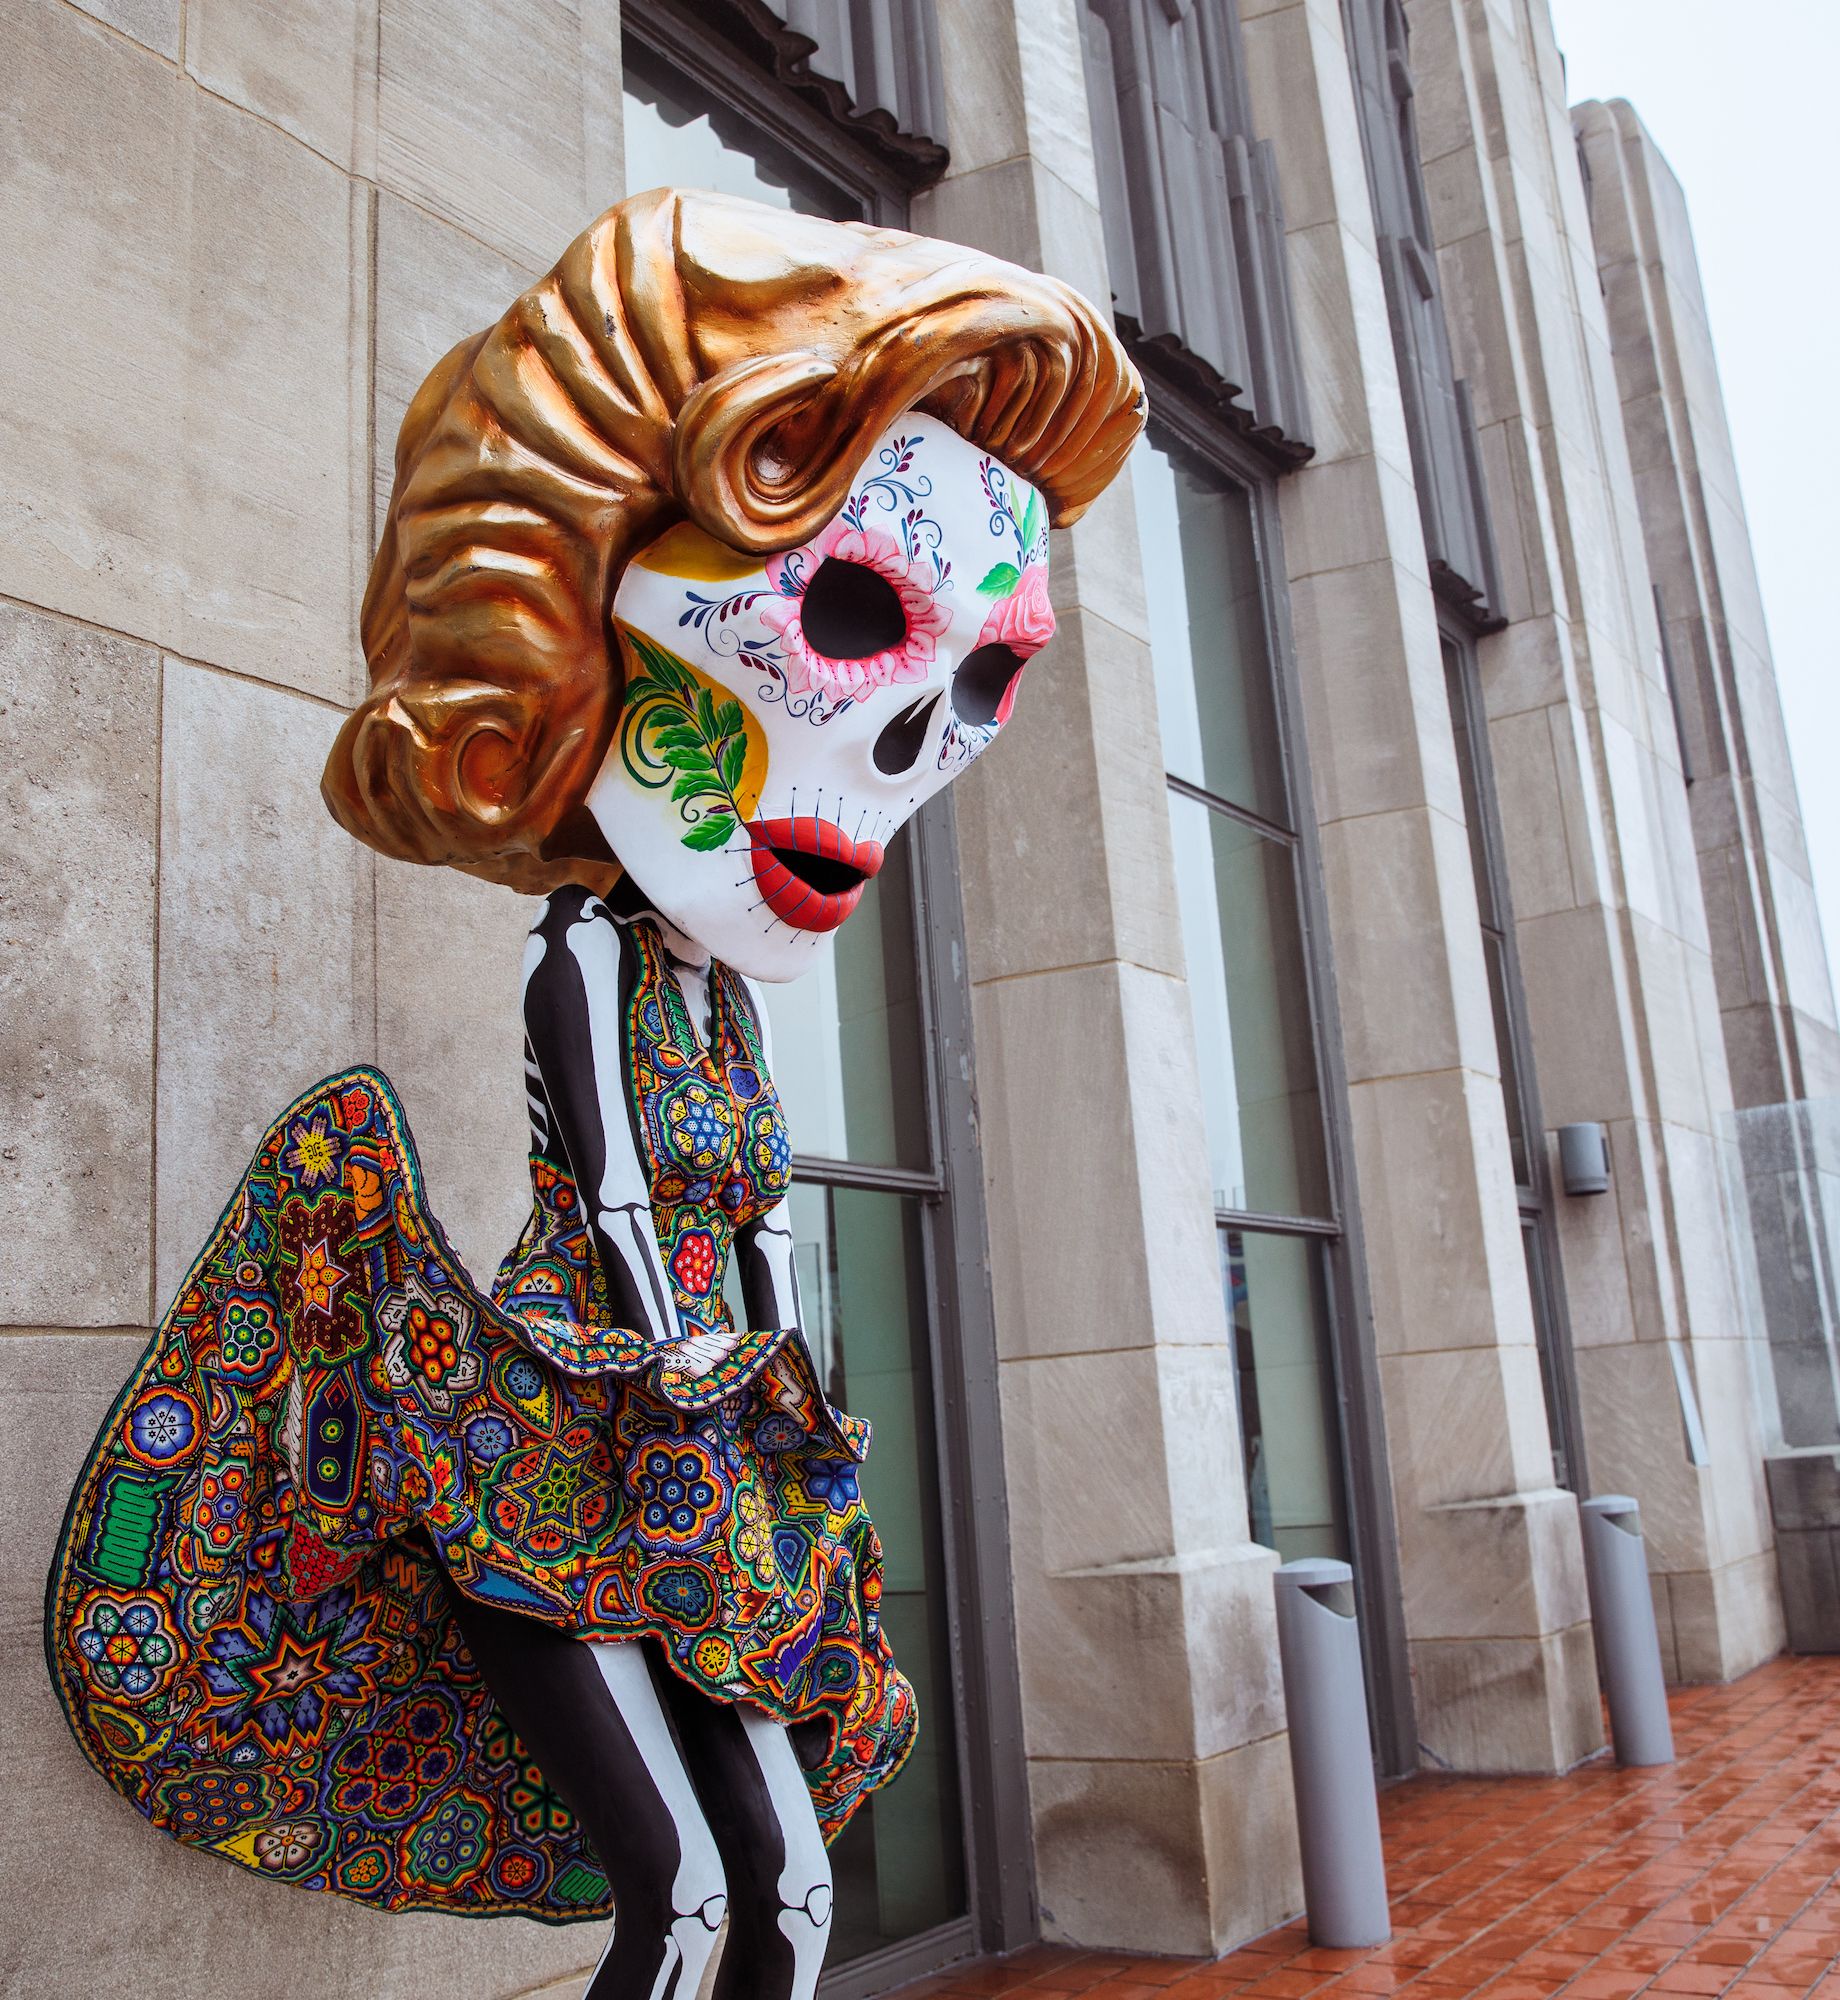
(1628, 1647)
(1332, 1756)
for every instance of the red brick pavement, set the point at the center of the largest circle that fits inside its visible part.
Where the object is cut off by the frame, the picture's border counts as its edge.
(1718, 1875)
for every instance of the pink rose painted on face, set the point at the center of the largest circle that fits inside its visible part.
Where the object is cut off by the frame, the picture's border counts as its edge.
(907, 658)
(1023, 623)
(1024, 620)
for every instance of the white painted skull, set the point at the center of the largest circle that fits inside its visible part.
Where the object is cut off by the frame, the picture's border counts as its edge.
(783, 718)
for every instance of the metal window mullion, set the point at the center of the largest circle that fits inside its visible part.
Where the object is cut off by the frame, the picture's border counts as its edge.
(1277, 1225)
(1228, 810)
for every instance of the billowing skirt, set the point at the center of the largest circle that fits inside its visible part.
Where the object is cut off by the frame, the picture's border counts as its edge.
(249, 1619)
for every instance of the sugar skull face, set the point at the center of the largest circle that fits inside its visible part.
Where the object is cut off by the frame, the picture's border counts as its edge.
(784, 717)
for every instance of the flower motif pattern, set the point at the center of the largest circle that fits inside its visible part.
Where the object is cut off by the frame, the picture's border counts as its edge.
(915, 581)
(251, 1612)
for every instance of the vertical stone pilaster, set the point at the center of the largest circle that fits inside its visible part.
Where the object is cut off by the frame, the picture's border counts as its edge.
(1495, 1611)
(1157, 1759)
(1609, 917)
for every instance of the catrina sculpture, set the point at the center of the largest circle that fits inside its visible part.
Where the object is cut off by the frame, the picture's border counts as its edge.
(704, 568)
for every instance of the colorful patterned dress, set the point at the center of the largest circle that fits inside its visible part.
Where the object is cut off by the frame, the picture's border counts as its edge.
(249, 1619)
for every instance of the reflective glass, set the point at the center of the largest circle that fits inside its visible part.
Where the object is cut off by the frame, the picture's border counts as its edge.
(862, 1288)
(1207, 629)
(679, 135)
(848, 1054)
(1237, 892)
(1277, 1302)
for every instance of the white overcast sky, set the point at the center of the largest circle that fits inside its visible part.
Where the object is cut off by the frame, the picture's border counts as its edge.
(1745, 103)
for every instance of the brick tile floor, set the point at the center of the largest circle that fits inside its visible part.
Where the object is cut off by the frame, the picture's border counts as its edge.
(1719, 1875)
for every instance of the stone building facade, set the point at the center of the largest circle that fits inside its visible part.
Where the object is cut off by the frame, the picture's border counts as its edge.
(1406, 782)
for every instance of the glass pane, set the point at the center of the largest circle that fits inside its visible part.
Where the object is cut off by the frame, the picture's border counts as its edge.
(1546, 1333)
(900, 1866)
(679, 135)
(1457, 692)
(1495, 956)
(1287, 1405)
(1207, 629)
(848, 1054)
(1237, 891)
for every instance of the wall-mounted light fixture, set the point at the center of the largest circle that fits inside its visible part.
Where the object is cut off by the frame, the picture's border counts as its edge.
(1584, 1159)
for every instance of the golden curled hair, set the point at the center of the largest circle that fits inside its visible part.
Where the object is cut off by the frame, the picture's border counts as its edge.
(691, 356)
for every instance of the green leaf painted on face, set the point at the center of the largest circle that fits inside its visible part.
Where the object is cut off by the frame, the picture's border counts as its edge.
(999, 580)
(1031, 524)
(709, 834)
(675, 725)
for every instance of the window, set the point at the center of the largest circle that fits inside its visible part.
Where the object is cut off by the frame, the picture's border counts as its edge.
(1237, 859)
(1446, 462)
(850, 1060)
(1194, 231)
(679, 134)
(886, 1214)
(1513, 1051)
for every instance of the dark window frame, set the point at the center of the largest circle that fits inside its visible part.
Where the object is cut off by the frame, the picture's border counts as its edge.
(995, 1826)
(1534, 1195)
(1355, 1361)
(755, 97)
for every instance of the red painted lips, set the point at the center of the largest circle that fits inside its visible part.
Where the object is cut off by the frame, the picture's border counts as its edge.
(810, 872)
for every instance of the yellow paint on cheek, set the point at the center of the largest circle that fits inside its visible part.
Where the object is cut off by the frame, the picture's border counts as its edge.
(658, 708)
(687, 551)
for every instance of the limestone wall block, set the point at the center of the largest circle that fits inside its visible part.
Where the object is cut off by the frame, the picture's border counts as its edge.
(1410, 980)
(274, 419)
(1164, 1857)
(1087, 1487)
(1368, 753)
(266, 981)
(1532, 808)
(502, 117)
(309, 66)
(1570, 974)
(1062, 1284)
(987, 113)
(435, 286)
(1444, 1261)
(1248, 1820)
(79, 821)
(1509, 1705)
(1353, 511)
(1063, 825)
(450, 1036)
(90, 394)
(1464, 1422)
(152, 23)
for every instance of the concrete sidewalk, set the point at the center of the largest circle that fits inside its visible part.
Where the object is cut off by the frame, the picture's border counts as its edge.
(1717, 1875)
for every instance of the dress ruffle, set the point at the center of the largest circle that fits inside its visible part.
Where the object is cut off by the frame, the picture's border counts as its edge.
(248, 1619)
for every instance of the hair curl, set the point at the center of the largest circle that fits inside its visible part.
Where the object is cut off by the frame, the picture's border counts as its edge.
(691, 355)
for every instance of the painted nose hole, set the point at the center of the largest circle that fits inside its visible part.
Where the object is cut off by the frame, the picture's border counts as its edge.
(984, 678)
(897, 748)
(850, 611)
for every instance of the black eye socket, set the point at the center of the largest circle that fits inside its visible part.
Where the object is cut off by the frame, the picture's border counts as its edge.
(983, 678)
(898, 747)
(850, 611)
